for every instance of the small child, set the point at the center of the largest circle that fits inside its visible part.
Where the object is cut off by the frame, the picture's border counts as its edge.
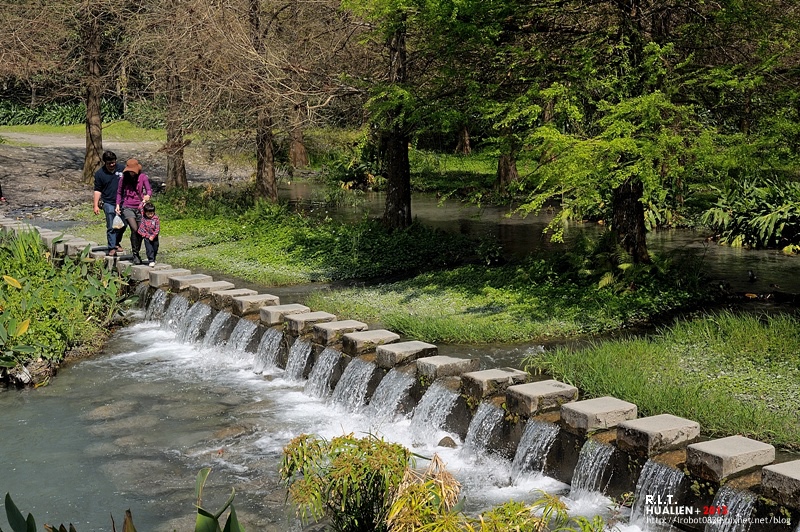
(149, 228)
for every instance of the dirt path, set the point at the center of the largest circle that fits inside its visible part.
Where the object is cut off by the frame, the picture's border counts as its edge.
(41, 174)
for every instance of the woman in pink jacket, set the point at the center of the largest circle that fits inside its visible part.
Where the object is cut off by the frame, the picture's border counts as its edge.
(132, 193)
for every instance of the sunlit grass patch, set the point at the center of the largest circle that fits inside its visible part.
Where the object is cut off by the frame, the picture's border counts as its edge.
(734, 374)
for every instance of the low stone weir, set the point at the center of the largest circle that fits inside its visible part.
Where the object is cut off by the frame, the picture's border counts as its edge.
(448, 395)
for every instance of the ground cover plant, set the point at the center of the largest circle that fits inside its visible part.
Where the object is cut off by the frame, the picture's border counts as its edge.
(49, 309)
(732, 373)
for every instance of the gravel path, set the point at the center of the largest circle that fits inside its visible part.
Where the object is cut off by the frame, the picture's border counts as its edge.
(41, 174)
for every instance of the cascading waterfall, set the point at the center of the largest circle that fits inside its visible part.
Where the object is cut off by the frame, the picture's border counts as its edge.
(351, 390)
(739, 505)
(156, 305)
(592, 462)
(215, 332)
(660, 481)
(298, 357)
(483, 425)
(533, 447)
(178, 307)
(141, 295)
(388, 396)
(242, 335)
(268, 351)
(318, 384)
(194, 323)
(431, 412)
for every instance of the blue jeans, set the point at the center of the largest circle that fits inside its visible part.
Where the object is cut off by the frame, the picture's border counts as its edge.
(114, 236)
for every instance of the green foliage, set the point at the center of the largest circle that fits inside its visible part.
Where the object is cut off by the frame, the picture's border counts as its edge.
(758, 213)
(145, 114)
(745, 366)
(64, 305)
(55, 114)
(209, 521)
(347, 479)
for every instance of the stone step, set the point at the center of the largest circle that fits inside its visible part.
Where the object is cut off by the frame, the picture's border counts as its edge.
(719, 459)
(201, 290)
(488, 382)
(781, 483)
(542, 396)
(160, 278)
(648, 436)
(303, 323)
(246, 305)
(581, 417)
(222, 299)
(179, 283)
(360, 343)
(391, 355)
(141, 272)
(331, 333)
(275, 314)
(437, 366)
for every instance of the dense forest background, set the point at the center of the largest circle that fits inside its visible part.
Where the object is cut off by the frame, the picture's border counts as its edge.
(635, 112)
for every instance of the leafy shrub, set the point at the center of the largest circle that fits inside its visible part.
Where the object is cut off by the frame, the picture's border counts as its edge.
(54, 113)
(758, 213)
(145, 114)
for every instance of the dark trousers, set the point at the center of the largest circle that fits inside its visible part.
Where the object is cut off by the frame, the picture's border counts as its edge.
(113, 236)
(132, 219)
(151, 248)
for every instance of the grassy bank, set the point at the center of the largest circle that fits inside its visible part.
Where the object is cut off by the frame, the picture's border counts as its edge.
(734, 374)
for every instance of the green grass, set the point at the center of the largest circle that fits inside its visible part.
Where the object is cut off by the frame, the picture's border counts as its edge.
(120, 131)
(734, 374)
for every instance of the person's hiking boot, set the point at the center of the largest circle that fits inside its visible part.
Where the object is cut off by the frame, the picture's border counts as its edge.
(152, 263)
(137, 260)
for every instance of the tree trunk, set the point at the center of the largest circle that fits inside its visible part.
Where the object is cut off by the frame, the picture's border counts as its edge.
(176, 164)
(94, 87)
(506, 171)
(397, 213)
(266, 184)
(463, 146)
(628, 220)
(298, 156)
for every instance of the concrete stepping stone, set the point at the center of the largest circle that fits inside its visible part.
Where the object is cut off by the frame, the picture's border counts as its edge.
(581, 417)
(534, 397)
(717, 460)
(50, 238)
(648, 436)
(244, 305)
(73, 248)
(201, 290)
(330, 333)
(160, 278)
(480, 384)
(179, 283)
(360, 343)
(391, 355)
(141, 272)
(275, 314)
(302, 323)
(437, 366)
(222, 299)
(781, 483)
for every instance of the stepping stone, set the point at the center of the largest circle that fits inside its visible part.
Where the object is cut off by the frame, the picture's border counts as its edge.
(179, 283)
(648, 436)
(302, 323)
(781, 483)
(716, 460)
(360, 343)
(581, 417)
(244, 305)
(201, 290)
(121, 265)
(331, 332)
(73, 248)
(437, 366)
(50, 238)
(275, 314)
(141, 272)
(480, 384)
(535, 397)
(222, 298)
(97, 255)
(160, 278)
(391, 355)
